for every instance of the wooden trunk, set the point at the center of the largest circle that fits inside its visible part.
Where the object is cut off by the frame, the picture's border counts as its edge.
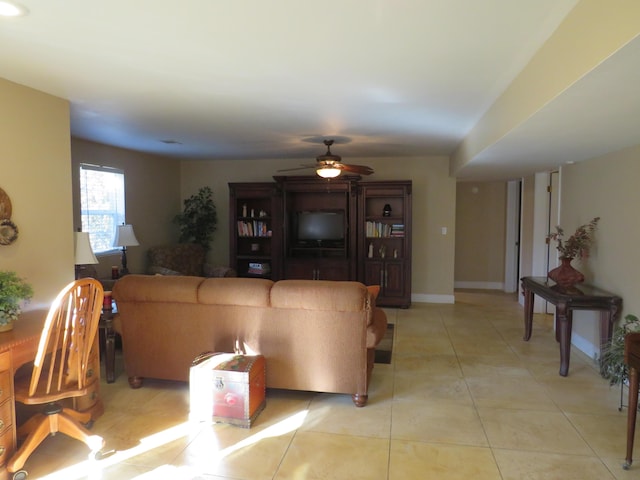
(227, 388)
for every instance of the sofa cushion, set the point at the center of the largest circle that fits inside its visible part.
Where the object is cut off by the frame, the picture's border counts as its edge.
(157, 288)
(320, 295)
(253, 292)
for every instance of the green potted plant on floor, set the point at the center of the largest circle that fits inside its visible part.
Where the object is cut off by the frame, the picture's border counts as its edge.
(612, 366)
(13, 292)
(199, 219)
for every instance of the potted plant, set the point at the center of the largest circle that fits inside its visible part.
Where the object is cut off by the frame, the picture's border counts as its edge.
(578, 246)
(13, 291)
(199, 219)
(611, 360)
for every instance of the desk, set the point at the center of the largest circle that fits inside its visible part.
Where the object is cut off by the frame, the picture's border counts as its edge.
(632, 359)
(19, 347)
(585, 297)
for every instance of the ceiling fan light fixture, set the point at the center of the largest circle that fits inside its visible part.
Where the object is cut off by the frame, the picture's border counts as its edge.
(328, 171)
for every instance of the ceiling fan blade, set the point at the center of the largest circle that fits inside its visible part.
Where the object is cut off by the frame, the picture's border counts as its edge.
(359, 169)
(304, 167)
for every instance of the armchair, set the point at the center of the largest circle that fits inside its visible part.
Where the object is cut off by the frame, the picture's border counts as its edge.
(184, 259)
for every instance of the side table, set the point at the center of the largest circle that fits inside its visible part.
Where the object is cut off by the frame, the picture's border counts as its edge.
(108, 342)
(583, 297)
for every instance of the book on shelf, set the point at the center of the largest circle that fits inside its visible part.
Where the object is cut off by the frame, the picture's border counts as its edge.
(254, 228)
(384, 230)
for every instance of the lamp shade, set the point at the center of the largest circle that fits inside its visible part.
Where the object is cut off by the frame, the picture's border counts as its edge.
(82, 249)
(328, 171)
(125, 237)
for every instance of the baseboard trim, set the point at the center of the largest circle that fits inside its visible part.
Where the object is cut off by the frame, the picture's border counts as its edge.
(480, 285)
(430, 298)
(584, 346)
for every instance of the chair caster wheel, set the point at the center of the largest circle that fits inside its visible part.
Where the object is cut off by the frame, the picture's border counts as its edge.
(20, 475)
(89, 424)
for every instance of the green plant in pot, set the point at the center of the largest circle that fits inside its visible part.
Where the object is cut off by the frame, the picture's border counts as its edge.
(13, 292)
(611, 360)
(199, 219)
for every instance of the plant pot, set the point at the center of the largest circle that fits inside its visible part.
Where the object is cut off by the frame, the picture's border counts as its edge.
(565, 275)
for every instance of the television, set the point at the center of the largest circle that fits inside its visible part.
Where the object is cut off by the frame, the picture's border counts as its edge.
(320, 227)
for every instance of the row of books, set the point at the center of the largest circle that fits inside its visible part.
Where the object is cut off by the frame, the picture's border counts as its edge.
(255, 228)
(381, 230)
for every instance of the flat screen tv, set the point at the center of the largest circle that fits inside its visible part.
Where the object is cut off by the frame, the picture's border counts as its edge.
(320, 227)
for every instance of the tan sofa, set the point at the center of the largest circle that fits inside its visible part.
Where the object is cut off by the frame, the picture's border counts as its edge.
(315, 335)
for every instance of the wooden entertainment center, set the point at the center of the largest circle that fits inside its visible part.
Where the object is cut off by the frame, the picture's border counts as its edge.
(317, 229)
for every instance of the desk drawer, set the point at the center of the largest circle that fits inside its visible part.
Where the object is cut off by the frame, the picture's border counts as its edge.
(5, 361)
(5, 415)
(5, 386)
(7, 445)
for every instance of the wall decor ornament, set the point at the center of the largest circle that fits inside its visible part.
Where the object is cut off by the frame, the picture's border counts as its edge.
(8, 232)
(5, 205)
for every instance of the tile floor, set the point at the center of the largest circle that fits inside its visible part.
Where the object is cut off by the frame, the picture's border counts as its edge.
(464, 398)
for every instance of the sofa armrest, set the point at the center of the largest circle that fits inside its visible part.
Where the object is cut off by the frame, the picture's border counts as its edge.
(378, 327)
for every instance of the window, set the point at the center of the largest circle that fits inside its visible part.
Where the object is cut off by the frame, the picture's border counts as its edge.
(101, 204)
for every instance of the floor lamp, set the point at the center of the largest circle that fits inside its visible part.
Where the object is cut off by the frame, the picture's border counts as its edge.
(125, 237)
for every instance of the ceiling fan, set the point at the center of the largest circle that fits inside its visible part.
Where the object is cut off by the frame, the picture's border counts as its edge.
(330, 165)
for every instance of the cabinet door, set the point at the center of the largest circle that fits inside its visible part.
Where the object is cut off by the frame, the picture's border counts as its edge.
(332, 269)
(374, 273)
(394, 281)
(300, 269)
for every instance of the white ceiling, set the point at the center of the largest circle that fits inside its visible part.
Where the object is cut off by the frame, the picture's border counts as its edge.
(256, 79)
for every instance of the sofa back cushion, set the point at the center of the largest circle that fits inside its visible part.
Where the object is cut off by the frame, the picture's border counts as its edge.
(157, 288)
(251, 292)
(320, 295)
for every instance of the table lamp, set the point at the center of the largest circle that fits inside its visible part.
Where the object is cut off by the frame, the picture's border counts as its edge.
(125, 237)
(83, 253)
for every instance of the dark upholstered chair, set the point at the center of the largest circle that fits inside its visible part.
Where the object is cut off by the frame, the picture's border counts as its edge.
(184, 259)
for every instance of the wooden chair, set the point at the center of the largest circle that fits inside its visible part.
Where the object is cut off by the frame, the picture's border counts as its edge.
(60, 371)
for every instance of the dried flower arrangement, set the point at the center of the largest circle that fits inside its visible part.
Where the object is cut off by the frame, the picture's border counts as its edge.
(577, 245)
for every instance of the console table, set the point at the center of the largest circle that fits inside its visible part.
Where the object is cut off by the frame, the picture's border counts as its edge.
(632, 359)
(582, 297)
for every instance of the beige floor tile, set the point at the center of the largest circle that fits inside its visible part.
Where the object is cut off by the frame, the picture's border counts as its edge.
(323, 456)
(508, 364)
(416, 345)
(517, 465)
(427, 388)
(529, 430)
(606, 434)
(437, 422)
(415, 460)
(337, 414)
(418, 364)
(510, 392)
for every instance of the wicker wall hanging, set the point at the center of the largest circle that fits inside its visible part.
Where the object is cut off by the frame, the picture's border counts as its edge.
(8, 229)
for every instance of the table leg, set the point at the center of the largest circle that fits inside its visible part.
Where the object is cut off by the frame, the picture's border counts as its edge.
(528, 313)
(110, 355)
(564, 320)
(631, 415)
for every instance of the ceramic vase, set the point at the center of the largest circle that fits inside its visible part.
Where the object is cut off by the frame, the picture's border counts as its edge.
(565, 275)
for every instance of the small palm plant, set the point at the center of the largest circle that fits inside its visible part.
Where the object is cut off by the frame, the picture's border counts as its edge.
(612, 366)
(13, 291)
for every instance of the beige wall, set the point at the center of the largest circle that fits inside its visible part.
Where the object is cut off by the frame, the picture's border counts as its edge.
(480, 234)
(35, 173)
(433, 208)
(152, 197)
(606, 187)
